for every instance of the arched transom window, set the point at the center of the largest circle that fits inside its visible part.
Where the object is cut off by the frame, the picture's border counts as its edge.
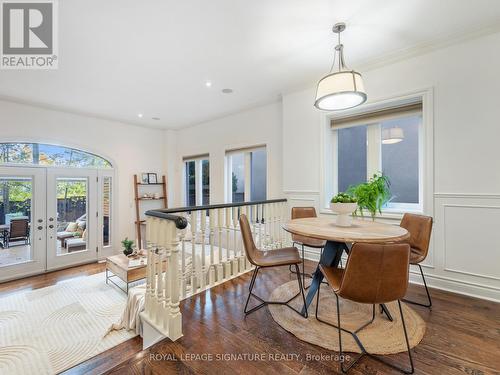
(49, 155)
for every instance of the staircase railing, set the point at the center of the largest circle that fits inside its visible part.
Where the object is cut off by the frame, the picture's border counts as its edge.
(191, 249)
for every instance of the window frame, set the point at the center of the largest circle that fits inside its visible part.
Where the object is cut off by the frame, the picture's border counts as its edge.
(247, 163)
(198, 179)
(374, 161)
(426, 152)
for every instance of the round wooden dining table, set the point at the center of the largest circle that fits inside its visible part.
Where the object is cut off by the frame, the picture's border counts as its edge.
(338, 239)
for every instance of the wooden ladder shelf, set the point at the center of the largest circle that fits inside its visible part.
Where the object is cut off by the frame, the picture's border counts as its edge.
(139, 199)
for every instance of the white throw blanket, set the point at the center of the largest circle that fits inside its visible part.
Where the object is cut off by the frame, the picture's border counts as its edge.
(130, 318)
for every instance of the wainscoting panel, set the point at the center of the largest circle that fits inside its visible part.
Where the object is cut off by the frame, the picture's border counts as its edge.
(467, 244)
(472, 240)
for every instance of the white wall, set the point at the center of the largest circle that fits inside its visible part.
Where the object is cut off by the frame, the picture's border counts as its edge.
(258, 126)
(466, 190)
(130, 148)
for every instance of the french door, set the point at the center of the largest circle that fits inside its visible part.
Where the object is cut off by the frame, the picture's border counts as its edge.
(22, 221)
(71, 216)
(52, 218)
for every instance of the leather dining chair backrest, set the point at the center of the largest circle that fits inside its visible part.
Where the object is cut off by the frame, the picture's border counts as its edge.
(419, 227)
(376, 273)
(248, 242)
(302, 213)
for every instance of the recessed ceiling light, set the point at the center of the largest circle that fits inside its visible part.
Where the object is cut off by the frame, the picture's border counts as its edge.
(155, 118)
(227, 91)
(140, 115)
(208, 83)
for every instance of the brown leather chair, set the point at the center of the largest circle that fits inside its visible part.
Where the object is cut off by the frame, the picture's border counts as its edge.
(374, 274)
(288, 256)
(420, 228)
(303, 241)
(19, 231)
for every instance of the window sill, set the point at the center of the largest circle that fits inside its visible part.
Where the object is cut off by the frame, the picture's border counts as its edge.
(390, 214)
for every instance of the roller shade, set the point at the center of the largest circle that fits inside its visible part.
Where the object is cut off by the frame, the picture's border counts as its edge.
(195, 157)
(377, 115)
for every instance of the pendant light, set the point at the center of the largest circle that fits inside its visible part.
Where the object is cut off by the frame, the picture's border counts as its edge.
(342, 88)
(392, 135)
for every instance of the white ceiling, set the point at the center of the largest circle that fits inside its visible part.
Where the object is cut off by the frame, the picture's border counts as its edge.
(118, 58)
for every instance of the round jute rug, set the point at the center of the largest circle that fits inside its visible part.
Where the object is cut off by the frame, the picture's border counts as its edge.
(381, 337)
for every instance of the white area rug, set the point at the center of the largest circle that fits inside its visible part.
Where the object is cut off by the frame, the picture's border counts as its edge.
(49, 330)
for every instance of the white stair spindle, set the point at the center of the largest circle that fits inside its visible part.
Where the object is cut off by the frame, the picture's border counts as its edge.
(235, 268)
(212, 266)
(194, 225)
(227, 265)
(202, 276)
(220, 224)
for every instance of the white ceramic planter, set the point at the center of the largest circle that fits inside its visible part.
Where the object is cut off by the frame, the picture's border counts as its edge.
(344, 211)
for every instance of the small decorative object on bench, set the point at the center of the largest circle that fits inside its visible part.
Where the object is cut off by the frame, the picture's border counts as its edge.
(128, 246)
(344, 205)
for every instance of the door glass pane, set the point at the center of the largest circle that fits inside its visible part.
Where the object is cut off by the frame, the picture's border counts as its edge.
(106, 211)
(205, 181)
(71, 215)
(400, 160)
(190, 183)
(238, 177)
(351, 156)
(16, 199)
(258, 175)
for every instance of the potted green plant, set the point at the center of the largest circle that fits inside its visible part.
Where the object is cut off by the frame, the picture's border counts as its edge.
(128, 246)
(371, 195)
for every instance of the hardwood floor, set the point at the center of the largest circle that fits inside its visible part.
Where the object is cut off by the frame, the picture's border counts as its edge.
(463, 336)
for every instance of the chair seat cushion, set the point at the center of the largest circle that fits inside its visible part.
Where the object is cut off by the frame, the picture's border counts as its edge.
(308, 241)
(332, 275)
(278, 257)
(65, 234)
(73, 242)
(416, 257)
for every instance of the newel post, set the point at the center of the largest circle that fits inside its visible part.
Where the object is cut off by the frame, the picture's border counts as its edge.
(175, 316)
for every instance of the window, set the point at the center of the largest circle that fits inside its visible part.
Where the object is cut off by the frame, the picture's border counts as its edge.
(246, 175)
(106, 211)
(386, 140)
(49, 155)
(196, 181)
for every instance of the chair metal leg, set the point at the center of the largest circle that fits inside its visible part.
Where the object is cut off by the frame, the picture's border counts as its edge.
(345, 369)
(301, 288)
(264, 302)
(303, 273)
(429, 304)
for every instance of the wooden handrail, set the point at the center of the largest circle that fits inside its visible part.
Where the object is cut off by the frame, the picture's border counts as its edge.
(159, 212)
